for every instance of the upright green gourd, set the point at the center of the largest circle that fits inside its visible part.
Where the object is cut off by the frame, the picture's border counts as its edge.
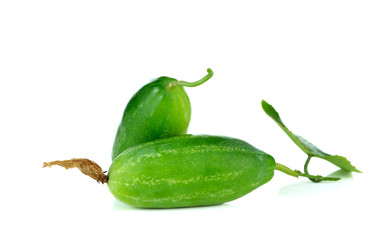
(159, 109)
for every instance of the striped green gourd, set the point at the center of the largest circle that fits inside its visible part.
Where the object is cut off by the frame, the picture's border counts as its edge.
(160, 109)
(188, 171)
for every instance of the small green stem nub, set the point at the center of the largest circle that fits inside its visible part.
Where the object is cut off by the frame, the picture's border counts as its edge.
(190, 84)
(286, 170)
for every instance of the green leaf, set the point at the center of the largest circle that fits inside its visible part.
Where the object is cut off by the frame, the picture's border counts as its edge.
(306, 146)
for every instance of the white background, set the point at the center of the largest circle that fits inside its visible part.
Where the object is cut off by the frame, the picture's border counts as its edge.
(68, 68)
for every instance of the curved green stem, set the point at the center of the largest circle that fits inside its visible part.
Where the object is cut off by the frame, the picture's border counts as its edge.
(306, 169)
(296, 173)
(190, 84)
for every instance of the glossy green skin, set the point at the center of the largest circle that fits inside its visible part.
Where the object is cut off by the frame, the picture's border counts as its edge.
(153, 113)
(188, 170)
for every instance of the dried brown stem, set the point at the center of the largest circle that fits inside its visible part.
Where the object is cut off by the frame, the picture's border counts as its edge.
(86, 166)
